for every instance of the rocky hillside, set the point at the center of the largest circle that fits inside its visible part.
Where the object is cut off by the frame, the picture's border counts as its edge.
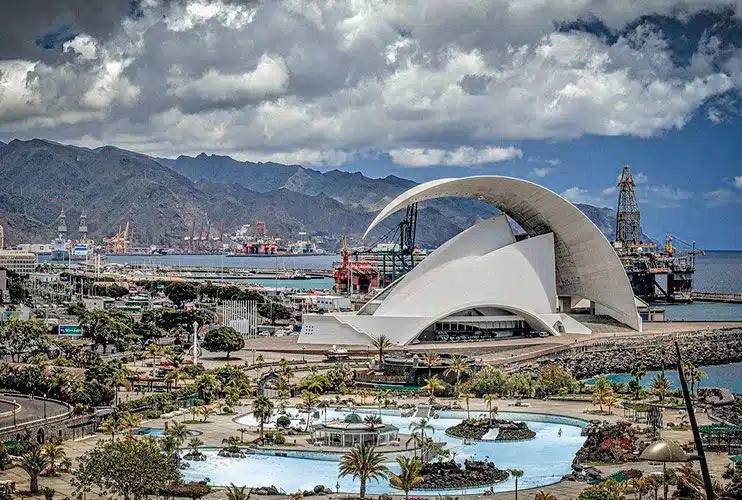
(160, 198)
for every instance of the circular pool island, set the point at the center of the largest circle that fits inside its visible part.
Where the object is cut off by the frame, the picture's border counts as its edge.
(544, 459)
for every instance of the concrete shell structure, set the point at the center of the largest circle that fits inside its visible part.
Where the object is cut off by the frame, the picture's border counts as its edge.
(483, 276)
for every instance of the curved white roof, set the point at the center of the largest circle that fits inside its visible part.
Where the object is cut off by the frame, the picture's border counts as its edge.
(585, 263)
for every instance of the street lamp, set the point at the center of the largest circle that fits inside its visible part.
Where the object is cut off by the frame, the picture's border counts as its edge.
(44, 406)
(15, 409)
(664, 451)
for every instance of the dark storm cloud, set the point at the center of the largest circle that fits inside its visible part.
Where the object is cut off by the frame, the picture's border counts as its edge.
(23, 23)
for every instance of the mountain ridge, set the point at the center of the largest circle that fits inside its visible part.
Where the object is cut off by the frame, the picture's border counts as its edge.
(162, 198)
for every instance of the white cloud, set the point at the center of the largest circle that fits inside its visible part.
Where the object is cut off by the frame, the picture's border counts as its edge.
(269, 78)
(431, 82)
(463, 156)
(554, 162)
(541, 172)
(719, 197)
(578, 195)
(738, 181)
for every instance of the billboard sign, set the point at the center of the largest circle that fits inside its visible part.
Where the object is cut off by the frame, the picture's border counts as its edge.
(70, 330)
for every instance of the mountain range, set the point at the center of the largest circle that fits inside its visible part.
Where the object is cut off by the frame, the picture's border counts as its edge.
(163, 198)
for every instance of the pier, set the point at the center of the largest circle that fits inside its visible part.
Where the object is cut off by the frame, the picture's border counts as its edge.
(727, 298)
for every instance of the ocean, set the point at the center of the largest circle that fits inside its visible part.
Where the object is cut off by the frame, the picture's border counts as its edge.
(729, 376)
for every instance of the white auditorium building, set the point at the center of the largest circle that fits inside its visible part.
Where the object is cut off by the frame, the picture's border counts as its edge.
(485, 282)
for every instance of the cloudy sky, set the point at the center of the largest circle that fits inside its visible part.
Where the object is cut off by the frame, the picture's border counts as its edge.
(563, 92)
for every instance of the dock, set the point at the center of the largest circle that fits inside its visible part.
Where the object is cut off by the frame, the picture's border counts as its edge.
(724, 297)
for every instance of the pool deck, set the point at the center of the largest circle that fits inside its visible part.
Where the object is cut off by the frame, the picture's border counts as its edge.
(221, 426)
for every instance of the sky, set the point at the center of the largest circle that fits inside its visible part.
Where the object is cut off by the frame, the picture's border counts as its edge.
(561, 92)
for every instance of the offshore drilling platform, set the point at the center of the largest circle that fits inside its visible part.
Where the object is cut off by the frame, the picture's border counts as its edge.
(655, 274)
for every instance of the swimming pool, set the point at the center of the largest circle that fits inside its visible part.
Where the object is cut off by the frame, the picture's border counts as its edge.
(545, 459)
(158, 432)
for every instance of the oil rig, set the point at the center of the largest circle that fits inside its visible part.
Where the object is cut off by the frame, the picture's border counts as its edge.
(655, 274)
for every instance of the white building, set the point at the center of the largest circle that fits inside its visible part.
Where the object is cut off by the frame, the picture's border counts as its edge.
(18, 261)
(485, 283)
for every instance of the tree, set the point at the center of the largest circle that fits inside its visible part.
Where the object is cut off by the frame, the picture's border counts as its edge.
(638, 370)
(381, 343)
(310, 400)
(194, 444)
(610, 401)
(363, 463)
(661, 385)
(601, 391)
(128, 468)
(207, 386)
(458, 366)
(147, 333)
(430, 358)
(129, 421)
(553, 379)
(33, 462)
(421, 426)
(223, 339)
(516, 473)
(110, 425)
(206, 412)
(53, 453)
(179, 431)
(21, 338)
(180, 292)
(410, 474)
(273, 311)
(262, 409)
(489, 398)
(107, 327)
(238, 492)
(467, 396)
(433, 384)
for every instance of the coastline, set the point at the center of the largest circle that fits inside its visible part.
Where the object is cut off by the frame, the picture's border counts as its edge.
(707, 347)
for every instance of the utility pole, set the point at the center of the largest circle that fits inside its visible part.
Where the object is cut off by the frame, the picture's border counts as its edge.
(195, 343)
(694, 427)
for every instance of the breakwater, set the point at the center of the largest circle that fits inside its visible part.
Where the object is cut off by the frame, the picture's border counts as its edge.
(708, 347)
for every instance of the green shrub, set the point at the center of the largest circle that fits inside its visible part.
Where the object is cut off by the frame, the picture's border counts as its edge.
(283, 422)
(280, 439)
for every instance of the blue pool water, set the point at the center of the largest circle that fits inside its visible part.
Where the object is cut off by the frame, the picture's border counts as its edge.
(545, 459)
(729, 376)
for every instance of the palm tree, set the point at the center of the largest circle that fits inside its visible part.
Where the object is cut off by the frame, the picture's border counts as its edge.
(310, 401)
(238, 492)
(179, 431)
(421, 426)
(517, 473)
(242, 432)
(206, 412)
(34, 462)
(410, 474)
(170, 446)
(489, 398)
(430, 358)
(262, 409)
(194, 444)
(542, 495)
(601, 390)
(53, 454)
(417, 441)
(458, 366)
(660, 385)
(433, 384)
(638, 370)
(698, 375)
(610, 401)
(324, 405)
(467, 396)
(129, 421)
(119, 378)
(363, 463)
(381, 343)
(110, 425)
